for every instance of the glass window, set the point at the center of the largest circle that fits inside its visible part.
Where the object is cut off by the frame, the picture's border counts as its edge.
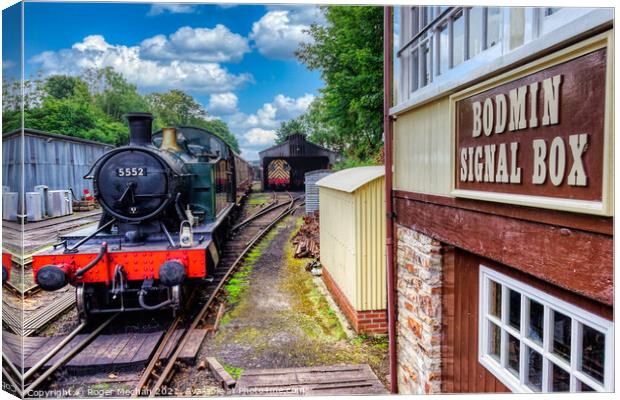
(426, 65)
(475, 31)
(415, 70)
(593, 353)
(514, 347)
(561, 335)
(444, 48)
(494, 23)
(534, 370)
(514, 309)
(495, 306)
(560, 380)
(496, 341)
(535, 329)
(540, 353)
(458, 39)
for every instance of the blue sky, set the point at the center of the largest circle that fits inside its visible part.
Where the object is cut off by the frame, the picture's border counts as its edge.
(236, 60)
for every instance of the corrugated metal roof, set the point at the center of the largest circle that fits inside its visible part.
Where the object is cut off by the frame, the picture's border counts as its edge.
(351, 179)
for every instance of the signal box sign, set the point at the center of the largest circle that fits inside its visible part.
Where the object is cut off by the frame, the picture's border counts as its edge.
(538, 139)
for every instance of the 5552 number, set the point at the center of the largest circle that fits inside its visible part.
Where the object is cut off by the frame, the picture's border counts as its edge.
(131, 171)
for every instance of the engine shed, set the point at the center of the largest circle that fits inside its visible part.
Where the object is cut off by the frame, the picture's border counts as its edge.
(285, 165)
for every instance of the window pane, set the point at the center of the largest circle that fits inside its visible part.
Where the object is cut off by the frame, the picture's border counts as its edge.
(443, 49)
(495, 299)
(593, 356)
(561, 335)
(493, 26)
(513, 354)
(514, 309)
(458, 39)
(414, 70)
(534, 370)
(426, 76)
(495, 336)
(415, 21)
(537, 313)
(475, 31)
(560, 381)
(582, 387)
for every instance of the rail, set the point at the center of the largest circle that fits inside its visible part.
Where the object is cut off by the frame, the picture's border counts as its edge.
(165, 374)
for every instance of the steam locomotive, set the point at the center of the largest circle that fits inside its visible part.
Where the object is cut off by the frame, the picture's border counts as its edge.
(167, 201)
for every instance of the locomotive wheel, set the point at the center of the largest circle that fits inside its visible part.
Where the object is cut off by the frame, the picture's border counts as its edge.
(82, 303)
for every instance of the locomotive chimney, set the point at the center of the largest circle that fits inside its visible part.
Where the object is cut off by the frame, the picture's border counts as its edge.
(140, 125)
(169, 140)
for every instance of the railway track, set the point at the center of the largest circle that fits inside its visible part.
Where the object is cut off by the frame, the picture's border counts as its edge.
(156, 374)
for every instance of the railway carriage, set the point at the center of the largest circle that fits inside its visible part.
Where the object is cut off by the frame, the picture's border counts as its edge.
(167, 201)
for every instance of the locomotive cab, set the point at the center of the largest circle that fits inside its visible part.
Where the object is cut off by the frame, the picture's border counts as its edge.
(166, 202)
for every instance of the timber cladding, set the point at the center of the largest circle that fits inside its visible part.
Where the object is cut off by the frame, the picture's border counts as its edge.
(539, 135)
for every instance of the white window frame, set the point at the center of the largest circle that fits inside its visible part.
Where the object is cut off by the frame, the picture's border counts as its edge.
(578, 317)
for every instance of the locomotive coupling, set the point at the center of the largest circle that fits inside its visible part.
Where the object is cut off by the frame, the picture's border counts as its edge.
(172, 273)
(53, 277)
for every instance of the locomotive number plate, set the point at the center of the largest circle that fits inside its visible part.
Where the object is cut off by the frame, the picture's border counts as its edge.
(133, 171)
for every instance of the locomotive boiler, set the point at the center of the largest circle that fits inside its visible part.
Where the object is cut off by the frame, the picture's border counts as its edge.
(167, 199)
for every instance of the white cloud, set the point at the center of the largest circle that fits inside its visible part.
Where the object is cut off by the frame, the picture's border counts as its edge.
(158, 9)
(196, 44)
(222, 103)
(279, 32)
(256, 131)
(95, 52)
(259, 136)
(6, 64)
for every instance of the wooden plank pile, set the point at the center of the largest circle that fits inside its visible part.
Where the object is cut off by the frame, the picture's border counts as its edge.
(307, 240)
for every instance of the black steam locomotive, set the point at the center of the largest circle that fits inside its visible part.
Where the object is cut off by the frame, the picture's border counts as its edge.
(167, 199)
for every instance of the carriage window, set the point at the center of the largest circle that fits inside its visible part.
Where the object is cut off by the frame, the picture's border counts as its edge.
(534, 342)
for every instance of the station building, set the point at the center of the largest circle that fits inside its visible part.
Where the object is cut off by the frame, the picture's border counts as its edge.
(502, 191)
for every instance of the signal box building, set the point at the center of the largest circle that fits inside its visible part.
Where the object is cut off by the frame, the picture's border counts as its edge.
(502, 190)
(285, 165)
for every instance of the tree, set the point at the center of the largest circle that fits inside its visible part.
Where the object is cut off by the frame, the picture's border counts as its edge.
(348, 51)
(64, 87)
(113, 94)
(175, 108)
(290, 127)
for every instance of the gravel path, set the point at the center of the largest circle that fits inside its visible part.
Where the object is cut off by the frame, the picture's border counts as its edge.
(281, 320)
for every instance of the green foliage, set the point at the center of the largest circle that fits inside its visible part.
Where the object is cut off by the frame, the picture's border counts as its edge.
(235, 372)
(290, 127)
(92, 106)
(352, 163)
(348, 116)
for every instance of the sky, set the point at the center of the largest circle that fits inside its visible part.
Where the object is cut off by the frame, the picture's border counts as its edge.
(236, 60)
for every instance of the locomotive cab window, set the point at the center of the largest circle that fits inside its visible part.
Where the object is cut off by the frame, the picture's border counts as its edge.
(534, 342)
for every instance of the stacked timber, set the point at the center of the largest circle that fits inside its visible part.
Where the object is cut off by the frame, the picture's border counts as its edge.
(307, 239)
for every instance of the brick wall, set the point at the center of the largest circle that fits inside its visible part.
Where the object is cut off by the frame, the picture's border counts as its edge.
(419, 280)
(367, 322)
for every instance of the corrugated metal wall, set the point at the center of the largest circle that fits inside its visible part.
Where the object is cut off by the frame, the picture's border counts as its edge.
(353, 242)
(338, 245)
(54, 162)
(370, 232)
(312, 190)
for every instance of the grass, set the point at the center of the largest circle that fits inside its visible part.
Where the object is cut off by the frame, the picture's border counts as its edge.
(259, 198)
(233, 371)
(316, 316)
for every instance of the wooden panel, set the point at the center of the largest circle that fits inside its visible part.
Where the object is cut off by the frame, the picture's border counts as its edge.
(461, 371)
(422, 143)
(578, 261)
(584, 222)
(320, 380)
